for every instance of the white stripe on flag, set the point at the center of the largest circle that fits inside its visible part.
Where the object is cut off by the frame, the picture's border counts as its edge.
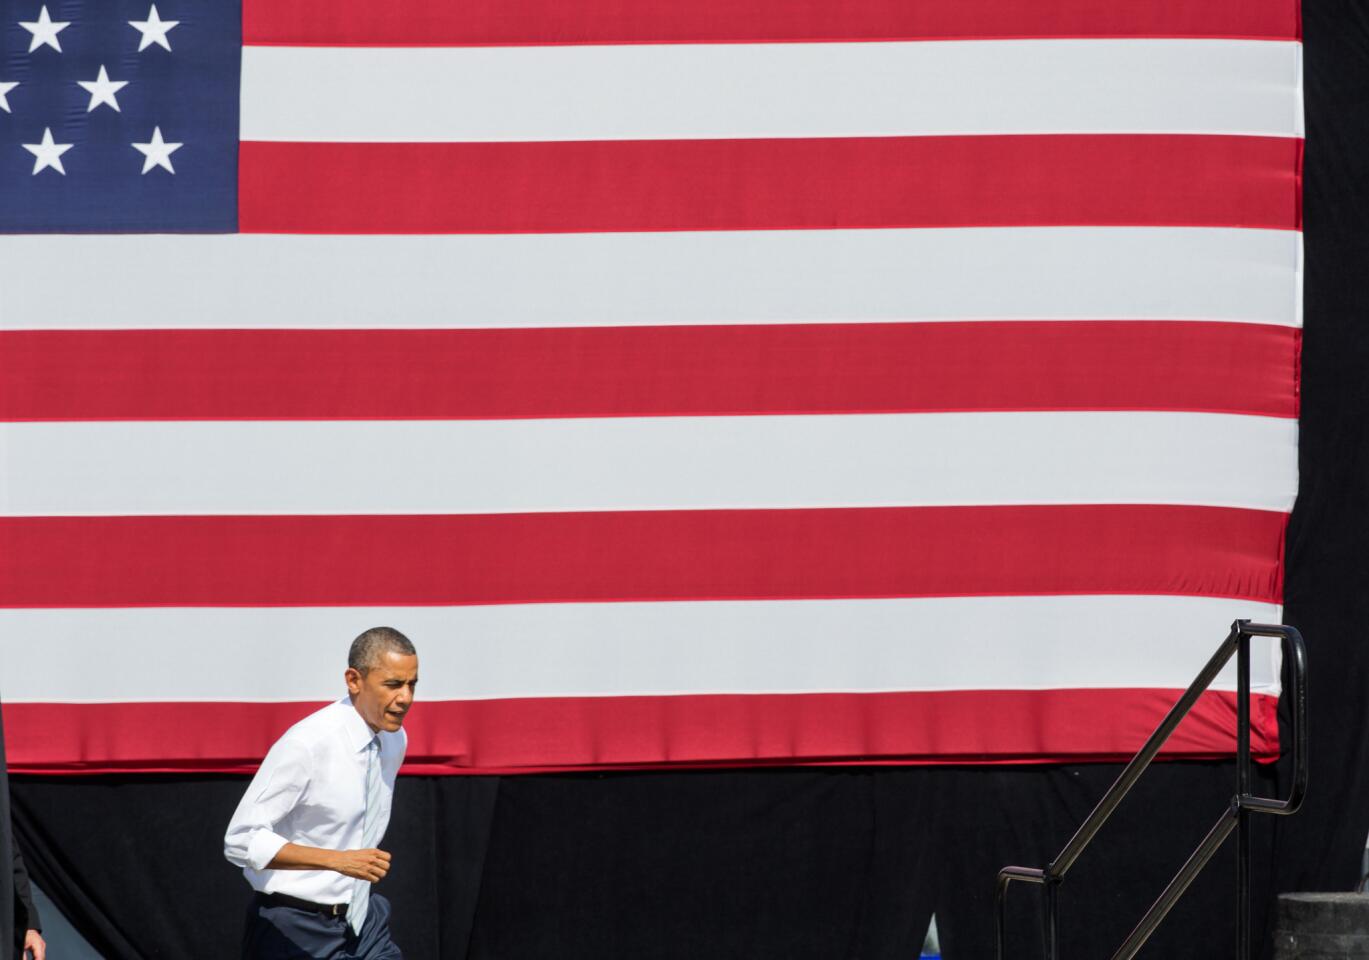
(686, 91)
(1069, 273)
(497, 466)
(620, 649)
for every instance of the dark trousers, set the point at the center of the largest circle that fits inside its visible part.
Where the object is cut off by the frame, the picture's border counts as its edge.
(284, 933)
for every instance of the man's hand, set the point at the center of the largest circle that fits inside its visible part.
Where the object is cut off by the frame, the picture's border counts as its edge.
(34, 944)
(369, 864)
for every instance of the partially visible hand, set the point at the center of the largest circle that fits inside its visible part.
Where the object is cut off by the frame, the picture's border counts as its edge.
(34, 943)
(369, 864)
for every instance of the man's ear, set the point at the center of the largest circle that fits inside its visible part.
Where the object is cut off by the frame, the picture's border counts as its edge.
(353, 678)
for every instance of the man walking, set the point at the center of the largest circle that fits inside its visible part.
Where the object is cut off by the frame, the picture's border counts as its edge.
(308, 829)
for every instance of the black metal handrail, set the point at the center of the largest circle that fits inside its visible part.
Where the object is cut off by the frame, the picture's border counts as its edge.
(1235, 817)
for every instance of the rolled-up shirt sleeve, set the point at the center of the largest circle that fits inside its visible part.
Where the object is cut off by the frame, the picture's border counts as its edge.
(252, 840)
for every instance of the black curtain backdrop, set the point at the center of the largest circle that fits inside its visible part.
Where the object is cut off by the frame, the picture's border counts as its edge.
(836, 863)
(137, 862)
(6, 856)
(777, 863)
(1327, 586)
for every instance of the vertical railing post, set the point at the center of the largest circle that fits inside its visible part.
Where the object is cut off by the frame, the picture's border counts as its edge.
(1052, 917)
(1000, 909)
(1006, 876)
(1243, 791)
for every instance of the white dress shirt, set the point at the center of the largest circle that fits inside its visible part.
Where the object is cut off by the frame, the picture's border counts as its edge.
(311, 790)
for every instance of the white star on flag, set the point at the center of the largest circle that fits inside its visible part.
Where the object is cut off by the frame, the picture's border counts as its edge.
(4, 89)
(102, 90)
(44, 30)
(157, 152)
(153, 29)
(47, 153)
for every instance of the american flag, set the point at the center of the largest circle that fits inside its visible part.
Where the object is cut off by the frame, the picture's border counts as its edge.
(712, 383)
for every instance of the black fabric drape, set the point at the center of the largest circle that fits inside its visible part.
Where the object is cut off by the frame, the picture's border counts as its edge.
(677, 865)
(7, 933)
(756, 864)
(1327, 584)
(137, 863)
(823, 864)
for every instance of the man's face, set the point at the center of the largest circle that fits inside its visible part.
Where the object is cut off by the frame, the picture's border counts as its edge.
(383, 696)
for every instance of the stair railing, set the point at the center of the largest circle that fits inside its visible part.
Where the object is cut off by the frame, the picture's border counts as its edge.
(1234, 818)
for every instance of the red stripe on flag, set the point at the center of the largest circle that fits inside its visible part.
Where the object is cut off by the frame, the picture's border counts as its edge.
(646, 371)
(479, 22)
(560, 733)
(646, 555)
(770, 184)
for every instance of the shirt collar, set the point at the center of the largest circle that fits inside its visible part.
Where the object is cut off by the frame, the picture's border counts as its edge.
(358, 731)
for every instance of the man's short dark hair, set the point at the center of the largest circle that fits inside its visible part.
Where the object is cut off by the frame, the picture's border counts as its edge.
(368, 648)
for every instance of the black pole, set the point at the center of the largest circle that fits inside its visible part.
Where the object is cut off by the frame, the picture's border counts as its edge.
(1053, 920)
(1000, 916)
(1006, 877)
(1243, 790)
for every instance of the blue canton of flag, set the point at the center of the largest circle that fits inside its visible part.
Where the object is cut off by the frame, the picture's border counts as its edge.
(119, 116)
